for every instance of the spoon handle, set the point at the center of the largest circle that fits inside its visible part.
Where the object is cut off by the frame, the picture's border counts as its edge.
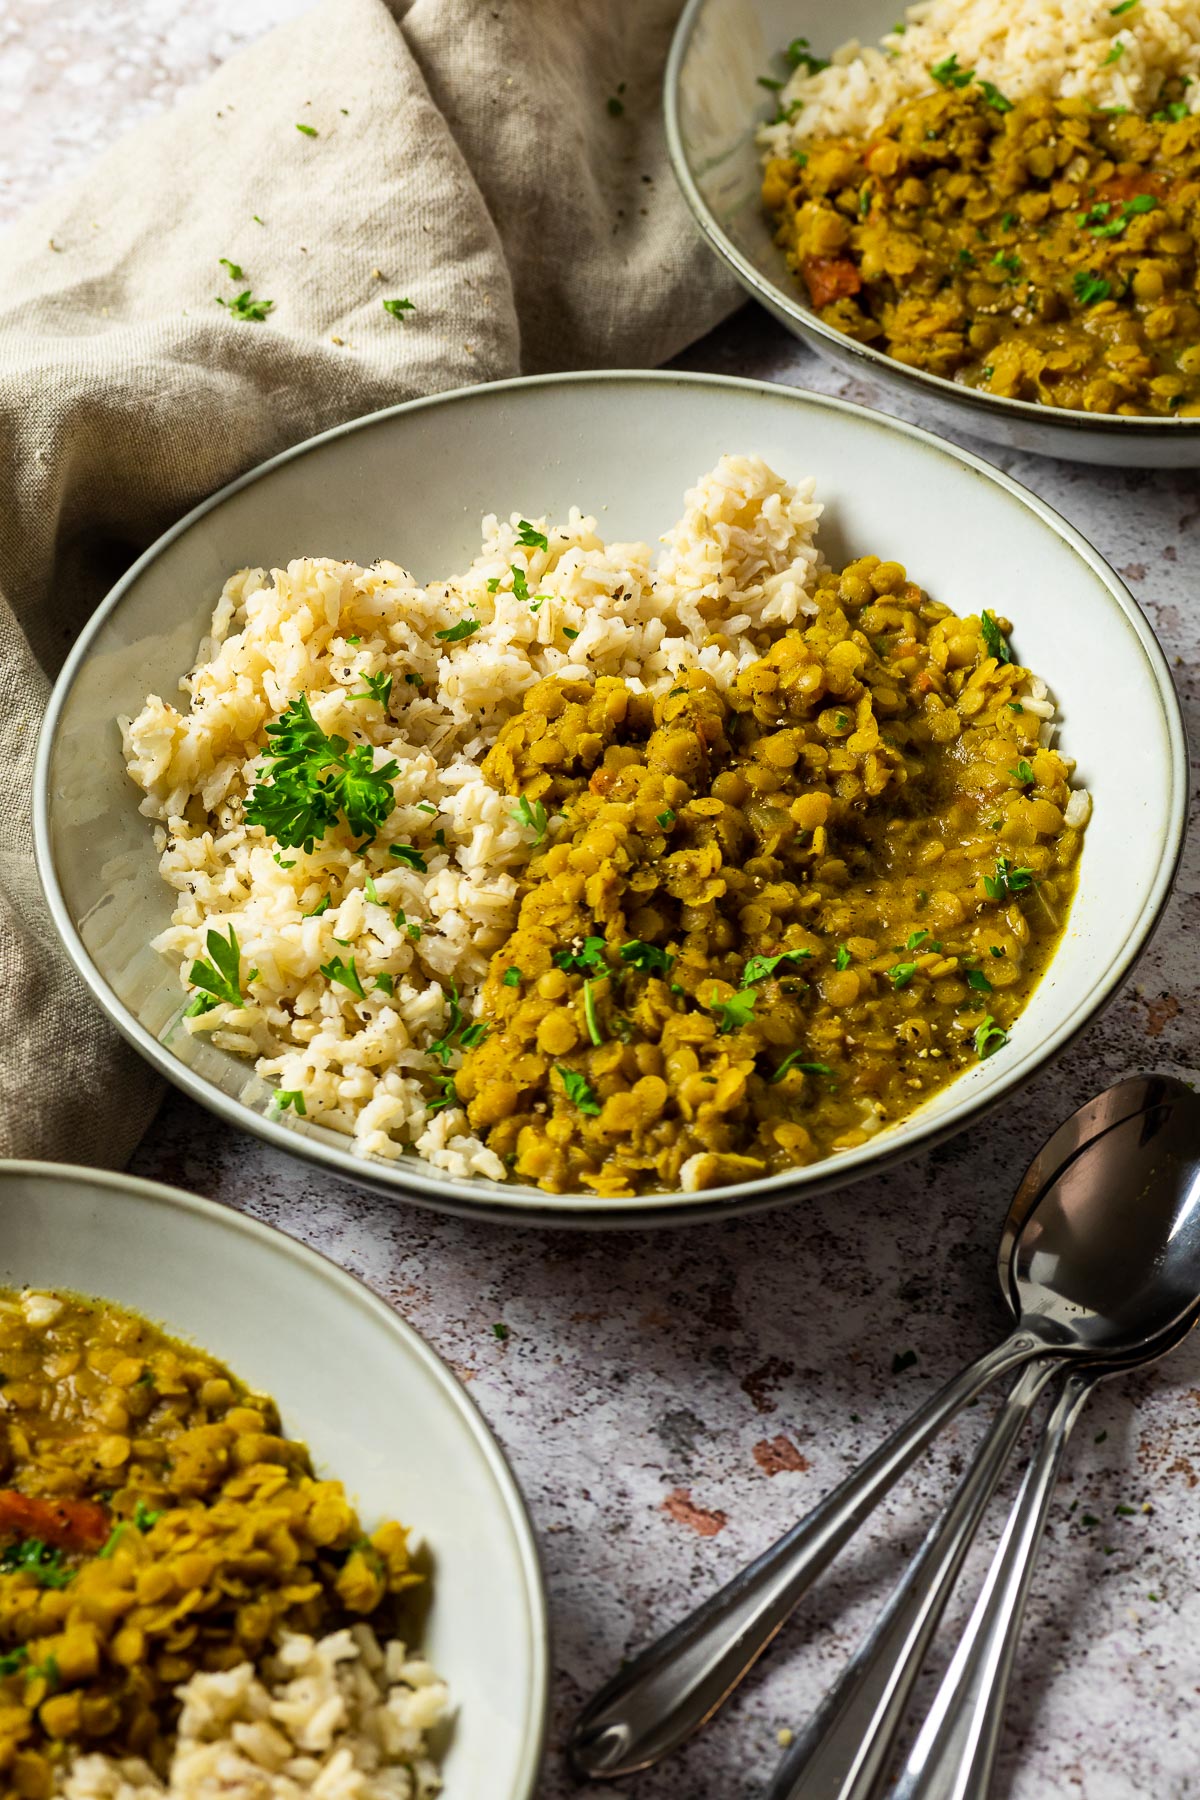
(848, 1742)
(954, 1752)
(675, 1685)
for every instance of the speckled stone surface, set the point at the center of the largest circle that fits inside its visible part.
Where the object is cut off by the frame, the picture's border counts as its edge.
(672, 1401)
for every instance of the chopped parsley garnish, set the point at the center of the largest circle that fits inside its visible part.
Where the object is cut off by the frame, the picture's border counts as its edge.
(454, 634)
(322, 906)
(978, 980)
(500, 1330)
(589, 1013)
(1090, 287)
(345, 973)
(511, 976)
(245, 307)
(456, 1027)
(12, 1660)
(285, 1097)
(414, 680)
(1007, 880)
(308, 130)
(792, 1061)
(646, 957)
(409, 855)
(1172, 114)
(1014, 706)
(988, 1038)
(398, 308)
(220, 979)
(578, 1090)
(531, 537)
(371, 891)
(994, 640)
(313, 778)
(533, 816)
(900, 974)
(759, 967)
(948, 74)
(915, 938)
(1115, 54)
(995, 99)
(446, 1095)
(520, 582)
(666, 819)
(379, 687)
(427, 806)
(1008, 221)
(1125, 6)
(1105, 227)
(1023, 772)
(841, 957)
(769, 82)
(578, 962)
(903, 1359)
(996, 949)
(236, 272)
(384, 984)
(282, 863)
(569, 631)
(966, 259)
(734, 1013)
(799, 55)
(1008, 260)
(144, 1517)
(30, 1556)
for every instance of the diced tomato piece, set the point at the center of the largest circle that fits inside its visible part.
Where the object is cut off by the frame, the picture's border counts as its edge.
(63, 1524)
(829, 277)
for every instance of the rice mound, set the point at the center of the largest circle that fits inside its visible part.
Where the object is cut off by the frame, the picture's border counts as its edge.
(1062, 48)
(740, 560)
(340, 1718)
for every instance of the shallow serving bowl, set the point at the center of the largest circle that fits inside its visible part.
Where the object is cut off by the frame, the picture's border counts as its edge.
(376, 1407)
(412, 483)
(714, 105)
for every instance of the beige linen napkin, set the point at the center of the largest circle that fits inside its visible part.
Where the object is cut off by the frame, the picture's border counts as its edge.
(500, 163)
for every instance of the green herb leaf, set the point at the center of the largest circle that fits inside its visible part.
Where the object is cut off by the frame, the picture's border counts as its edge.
(901, 974)
(533, 816)
(1090, 287)
(578, 962)
(245, 307)
(994, 640)
(792, 1061)
(948, 73)
(415, 680)
(995, 98)
(1023, 772)
(143, 1517)
(666, 819)
(446, 1095)
(578, 1091)
(759, 967)
(1007, 880)
(30, 1556)
(454, 634)
(988, 1038)
(398, 308)
(345, 973)
(384, 984)
(511, 976)
(322, 906)
(285, 1097)
(500, 1330)
(308, 130)
(646, 957)
(589, 1013)
(531, 537)
(236, 272)
(220, 979)
(313, 778)
(378, 687)
(841, 957)
(409, 855)
(1115, 54)
(13, 1660)
(915, 938)
(799, 55)
(735, 1013)
(978, 980)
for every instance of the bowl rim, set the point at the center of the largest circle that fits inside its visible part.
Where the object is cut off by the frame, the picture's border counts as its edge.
(516, 1510)
(877, 366)
(405, 1177)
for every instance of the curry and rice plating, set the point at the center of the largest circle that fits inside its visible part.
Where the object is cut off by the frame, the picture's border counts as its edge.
(181, 1599)
(1026, 243)
(753, 876)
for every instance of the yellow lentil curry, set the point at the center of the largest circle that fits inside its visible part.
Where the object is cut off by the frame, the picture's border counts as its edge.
(1041, 249)
(153, 1522)
(774, 920)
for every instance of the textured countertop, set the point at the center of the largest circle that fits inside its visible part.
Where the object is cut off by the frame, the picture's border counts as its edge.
(672, 1401)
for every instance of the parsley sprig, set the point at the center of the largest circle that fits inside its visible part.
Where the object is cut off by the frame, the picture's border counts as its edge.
(759, 967)
(994, 640)
(31, 1556)
(313, 778)
(578, 1090)
(734, 1013)
(1007, 881)
(533, 816)
(456, 1028)
(221, 979)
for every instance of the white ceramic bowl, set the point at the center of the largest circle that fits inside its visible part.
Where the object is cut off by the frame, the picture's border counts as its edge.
(376, 1407)
(412, 484)
(714, 105)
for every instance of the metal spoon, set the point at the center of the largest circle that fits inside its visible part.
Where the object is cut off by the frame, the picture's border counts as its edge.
(1103, 1268)
(848, 1742)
